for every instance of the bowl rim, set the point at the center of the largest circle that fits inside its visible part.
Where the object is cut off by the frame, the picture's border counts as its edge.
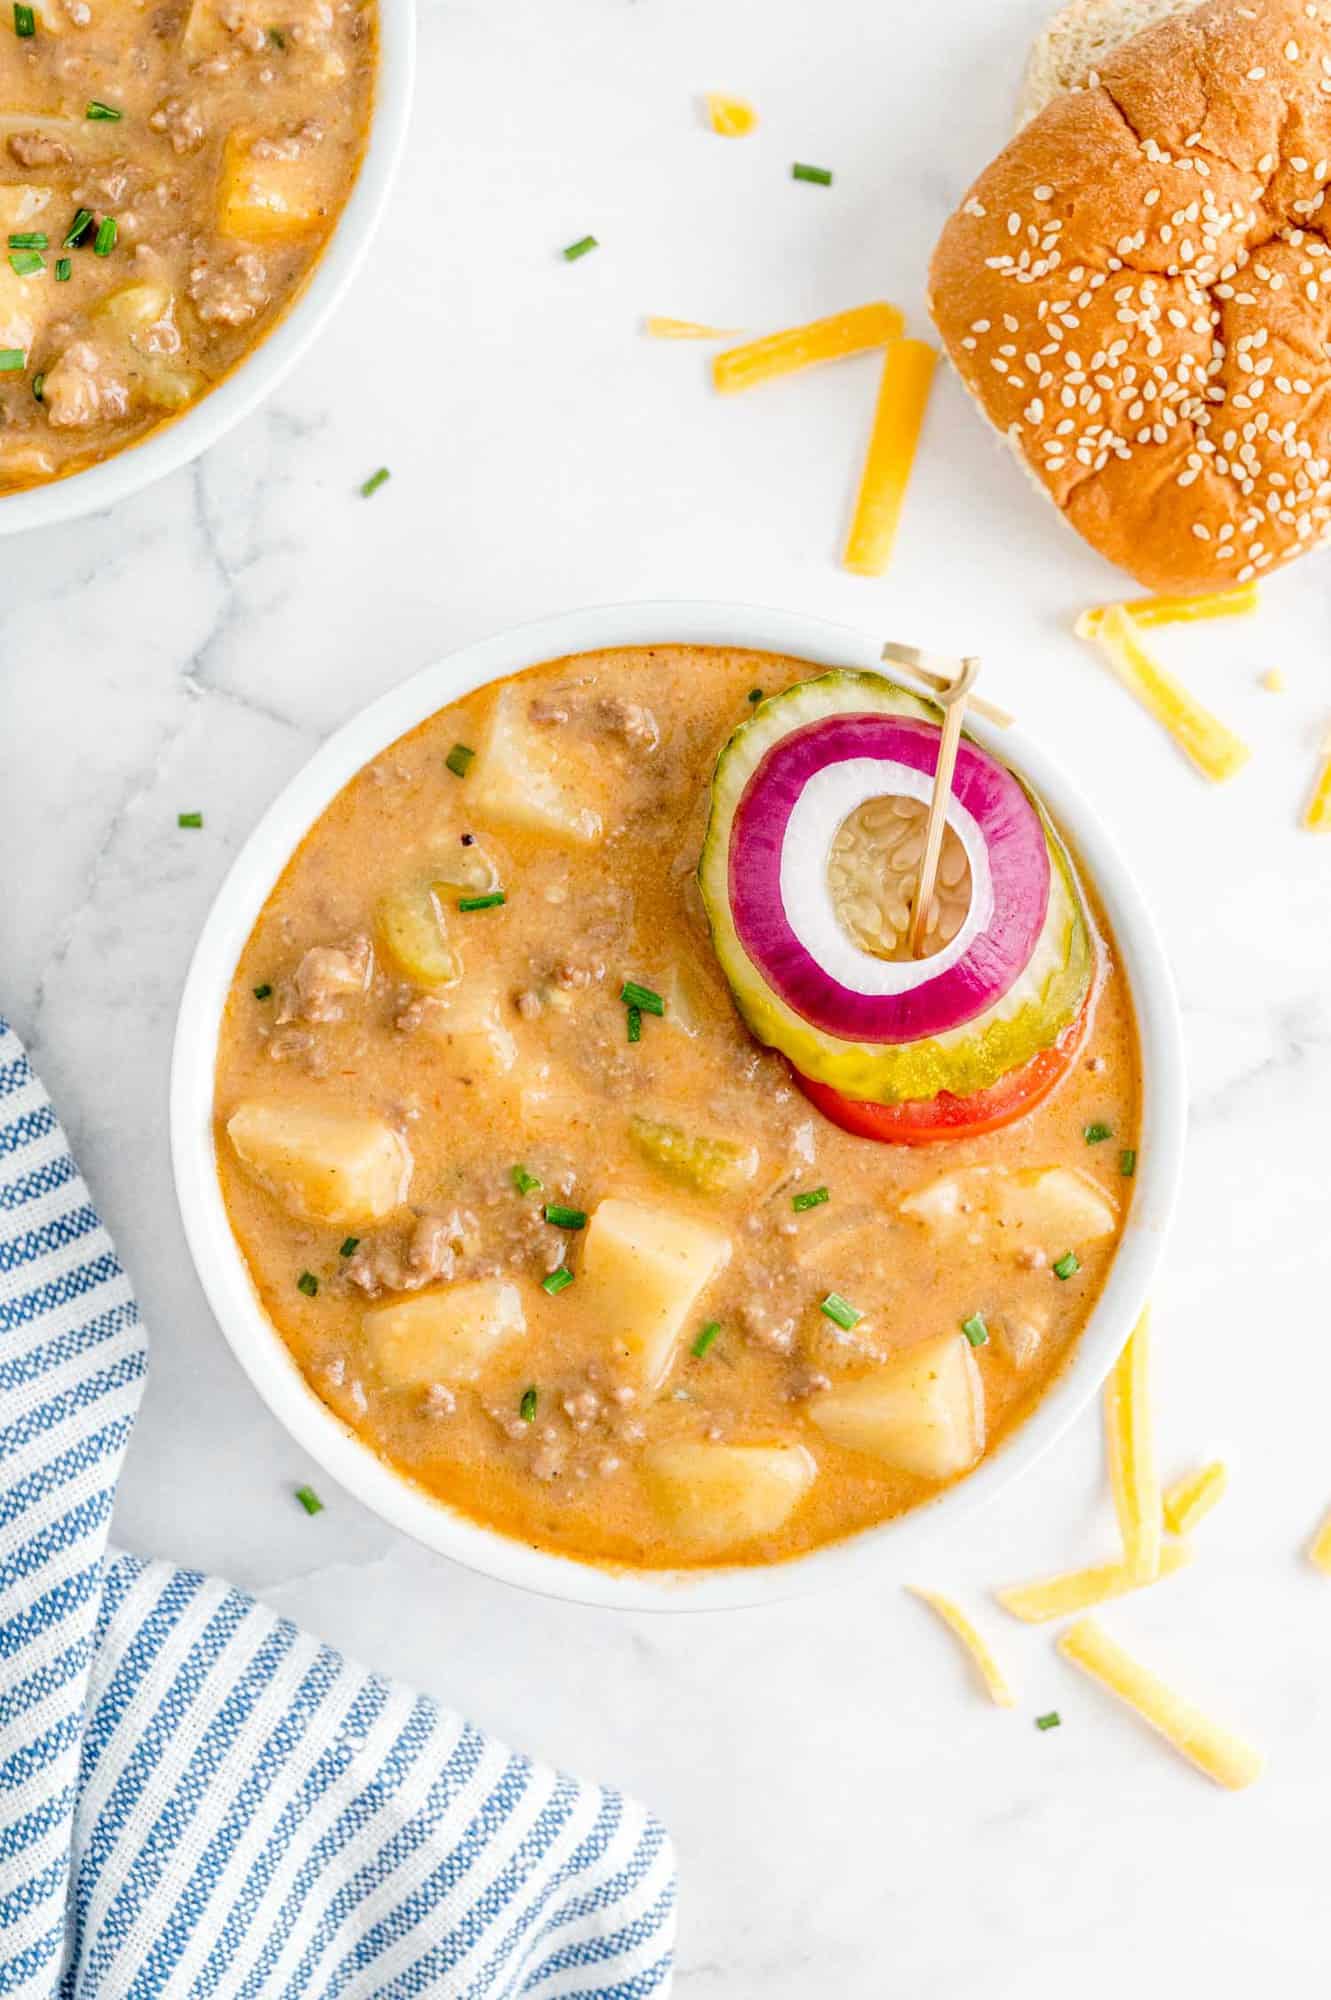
(225, 1276)
(259, 371)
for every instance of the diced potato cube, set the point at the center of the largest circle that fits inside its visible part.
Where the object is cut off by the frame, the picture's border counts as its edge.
(25, 303)
(467, 1024)
(262, 199)
(22, 206)
(23, 464)
(1057, 1207)
(643, 1270)
(132, 309)
(130, 313)
(446, 1335)
(694, 1159)
(327, 1166)
(923, 1412)
(214, 25)
(528, 775)
(411, 928)
(717, 1494)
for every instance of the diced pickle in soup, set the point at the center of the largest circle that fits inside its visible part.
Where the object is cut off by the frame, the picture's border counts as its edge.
(412, 930)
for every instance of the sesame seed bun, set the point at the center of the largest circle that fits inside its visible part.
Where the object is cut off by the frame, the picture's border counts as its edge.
(1138, 293)
(1081, 38)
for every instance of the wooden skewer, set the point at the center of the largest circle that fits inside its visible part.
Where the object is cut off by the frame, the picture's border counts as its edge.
(932, 669)
(952, 700)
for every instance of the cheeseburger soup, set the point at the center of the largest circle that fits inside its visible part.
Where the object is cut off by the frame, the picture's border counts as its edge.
(169, 174)
(525, 1185)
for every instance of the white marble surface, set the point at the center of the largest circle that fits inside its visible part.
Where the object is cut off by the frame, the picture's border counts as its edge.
(852, 1819)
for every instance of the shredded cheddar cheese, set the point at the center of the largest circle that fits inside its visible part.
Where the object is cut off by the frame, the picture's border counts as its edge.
(1078, 1589)
(730, 117)
(1216, 1751)
(908, 372)
(1191, 1498)
(957, 1622)
(1201, 736)
(1317, 812)
(660, 328)
(1130, 1445)
(796, 347)
(1145, 611)
(1319, 1548)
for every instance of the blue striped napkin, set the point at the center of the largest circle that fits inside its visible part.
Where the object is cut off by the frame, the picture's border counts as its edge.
(196, 1798)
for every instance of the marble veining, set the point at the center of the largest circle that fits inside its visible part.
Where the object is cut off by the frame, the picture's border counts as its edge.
(853, 1819)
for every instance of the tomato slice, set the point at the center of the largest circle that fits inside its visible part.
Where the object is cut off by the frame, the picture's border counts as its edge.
(924, 1121)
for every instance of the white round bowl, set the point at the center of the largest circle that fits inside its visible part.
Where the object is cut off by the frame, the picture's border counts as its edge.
(175, 443)
(261, 1352)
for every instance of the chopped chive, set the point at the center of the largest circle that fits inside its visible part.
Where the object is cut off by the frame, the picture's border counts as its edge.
(63, 267)
(309, 1500)
(264, 992)
(348, 1246)
(1127, 1162)
(755, 694)
(277, 38)
(490, 902)
(643, 997)
(573, 251)
(25, 22)
(374, 482)
(459, 759)
(77, 230)
(975, 1330)
(1067, 1266)
(565, 1218)
(1094, 1135)
(1051, 1721)
(814, 1198)
(307, 1283)
(527, 1407)
(189, 819)
(105, 240)
(840, 1310)
(524, 1182)
(29, 239)
(557, 1280)
(38, 384)
(822, 176)
(26, 263)
(705, 1339)
(11, 358)
(102, 114)
(634, 1024)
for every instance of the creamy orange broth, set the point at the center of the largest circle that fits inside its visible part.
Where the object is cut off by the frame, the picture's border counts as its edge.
(577, 921)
